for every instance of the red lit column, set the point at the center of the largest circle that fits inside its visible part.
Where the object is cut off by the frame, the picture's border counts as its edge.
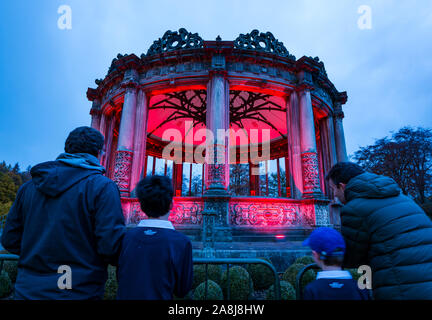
(124, 154)
(294, 147)
(95, 114)
(217, 117)
(339, 134)
(309, 156)
(140, 139)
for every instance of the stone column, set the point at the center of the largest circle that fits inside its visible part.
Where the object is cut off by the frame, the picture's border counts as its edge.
(108, 143)
(294, 148)
(216, 195)
(339, 134)
(309, 156)
(140, 140)
(124, 154)
(217, 160)
(95, 114)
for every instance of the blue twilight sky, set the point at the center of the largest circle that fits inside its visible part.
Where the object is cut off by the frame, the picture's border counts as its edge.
(45, 71)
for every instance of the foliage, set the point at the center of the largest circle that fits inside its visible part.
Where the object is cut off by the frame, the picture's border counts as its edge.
(287, 291)
(354, 273)
(214, 273)
(240, 283)
(305, 260)
(111, 284)
(214, 291)
(5, 285)
(239, 179)
(11, 268)
(406, 157)
(291, 272)
(262, 276)
(11, 178)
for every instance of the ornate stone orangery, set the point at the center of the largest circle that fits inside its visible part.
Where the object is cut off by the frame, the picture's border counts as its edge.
(283, 119)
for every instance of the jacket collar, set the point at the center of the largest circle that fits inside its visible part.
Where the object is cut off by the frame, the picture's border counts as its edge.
(156, 223)
(334, 274)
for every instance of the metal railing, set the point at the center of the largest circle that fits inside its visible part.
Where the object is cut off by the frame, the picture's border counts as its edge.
(218, 261)
(237, 261)
(299, 289)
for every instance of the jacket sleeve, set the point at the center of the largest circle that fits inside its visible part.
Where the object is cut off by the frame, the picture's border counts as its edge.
(353, 229)
(185, 273)
(13, 230)
(109, 223)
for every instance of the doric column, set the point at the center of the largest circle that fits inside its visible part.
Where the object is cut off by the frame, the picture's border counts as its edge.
(217, 118)
(294, 147)
(124, 154)
(339, 133)
(217, 157)
(309, 156)
(95, 114)
(140, 139)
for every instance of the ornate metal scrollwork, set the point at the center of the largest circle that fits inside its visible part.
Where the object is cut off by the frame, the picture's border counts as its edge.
(175, 41)
(264, 42)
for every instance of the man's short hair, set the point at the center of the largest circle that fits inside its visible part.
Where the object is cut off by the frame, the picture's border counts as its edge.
(343, 172)
(84, 140)
(155, 194)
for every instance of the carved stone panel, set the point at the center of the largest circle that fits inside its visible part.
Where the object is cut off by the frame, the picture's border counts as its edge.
(122, 169)
(311, 179)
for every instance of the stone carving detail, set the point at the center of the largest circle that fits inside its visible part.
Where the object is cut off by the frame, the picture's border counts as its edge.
(308, 215)
(311, 179)
(322, 217)
(264, 42)
(264, 214)
(122, 169)
(175, 41)
(183, 212)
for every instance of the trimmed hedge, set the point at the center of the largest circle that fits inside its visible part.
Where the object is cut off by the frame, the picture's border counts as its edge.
(291, 272)
(214, 291)
(214, 272)
(5, 285)
(305, 260)
(111, 284)
(287, 291)
(240, 283)
(262, 276)
(11, 267)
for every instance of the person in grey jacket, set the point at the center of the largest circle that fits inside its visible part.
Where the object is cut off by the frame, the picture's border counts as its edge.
(66, 223)
(385, 230)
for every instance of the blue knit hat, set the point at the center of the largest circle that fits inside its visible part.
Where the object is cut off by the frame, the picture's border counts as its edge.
(327, 242)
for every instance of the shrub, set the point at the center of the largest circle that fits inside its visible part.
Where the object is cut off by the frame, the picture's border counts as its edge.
(287, 291)
(5, 285)
(290, 275)
(214, 291)
(305, 260)
(11, 267)
(214, 273)
(240, 283)
(262, 276)
(111, 284)
(354, 274)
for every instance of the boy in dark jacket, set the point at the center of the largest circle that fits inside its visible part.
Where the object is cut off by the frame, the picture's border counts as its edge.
(155, 261)
(332, 283)
(66, 224)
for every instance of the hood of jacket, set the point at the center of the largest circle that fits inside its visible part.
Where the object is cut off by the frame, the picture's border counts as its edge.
(371, 186)
(52, 178)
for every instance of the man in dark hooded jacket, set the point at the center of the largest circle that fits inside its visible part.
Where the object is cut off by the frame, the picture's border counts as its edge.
(66, 224)
(386, 230)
